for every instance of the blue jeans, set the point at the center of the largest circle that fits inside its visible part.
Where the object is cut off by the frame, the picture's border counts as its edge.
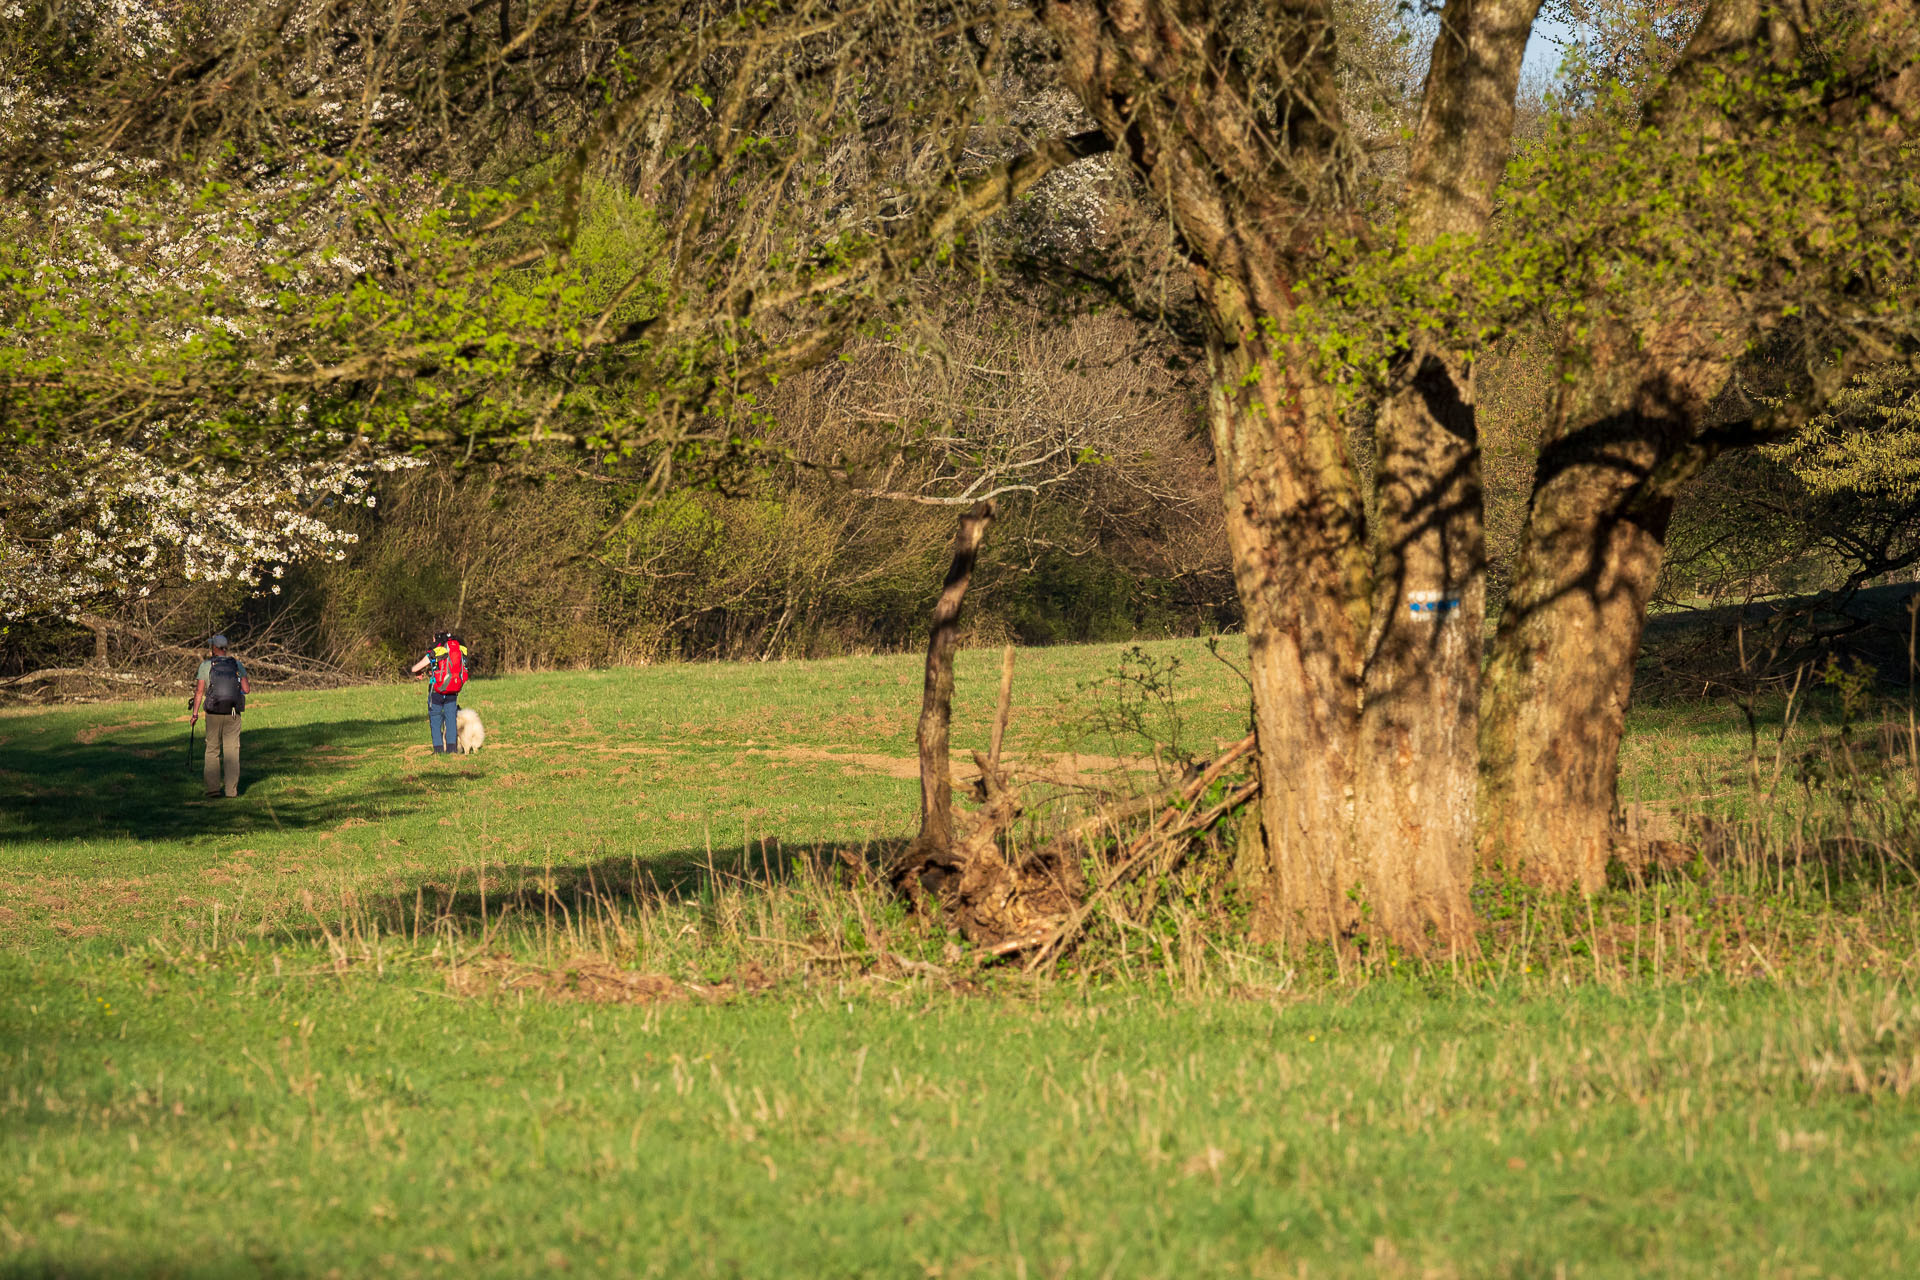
(441, 710)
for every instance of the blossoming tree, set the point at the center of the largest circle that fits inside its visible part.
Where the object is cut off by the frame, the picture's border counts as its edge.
(83, 529)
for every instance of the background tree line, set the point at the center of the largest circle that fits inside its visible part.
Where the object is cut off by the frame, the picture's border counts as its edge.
(541, 563)
(1111, 527)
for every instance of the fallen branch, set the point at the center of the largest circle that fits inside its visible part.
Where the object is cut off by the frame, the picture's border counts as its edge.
(91, 673)
(1177, 820)
(160, 646)
(1171, 804)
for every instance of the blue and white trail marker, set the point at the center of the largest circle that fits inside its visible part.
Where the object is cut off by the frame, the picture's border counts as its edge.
(1431, 604)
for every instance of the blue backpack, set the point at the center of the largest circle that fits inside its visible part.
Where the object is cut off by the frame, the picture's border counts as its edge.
(224, 694)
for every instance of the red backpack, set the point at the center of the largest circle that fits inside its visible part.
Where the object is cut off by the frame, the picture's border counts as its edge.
(450, 673)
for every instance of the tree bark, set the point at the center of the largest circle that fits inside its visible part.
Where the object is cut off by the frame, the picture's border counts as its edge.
(1363, 707)
(1418, 758)
(1248, 191)
(1634, 392)
(995, 898)
(931, 852)
(1296, 531)
(1418, 768)
(1561, 675)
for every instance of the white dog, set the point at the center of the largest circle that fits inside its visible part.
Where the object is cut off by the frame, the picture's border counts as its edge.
(469, 734)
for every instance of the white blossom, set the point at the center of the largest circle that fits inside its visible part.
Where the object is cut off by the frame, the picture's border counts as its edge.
(88, 526)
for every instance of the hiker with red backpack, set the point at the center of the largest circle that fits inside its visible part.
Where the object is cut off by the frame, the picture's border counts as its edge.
(445, 668)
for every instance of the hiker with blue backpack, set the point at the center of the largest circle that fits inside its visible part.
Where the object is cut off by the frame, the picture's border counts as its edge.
(220, 689)
(445, 668)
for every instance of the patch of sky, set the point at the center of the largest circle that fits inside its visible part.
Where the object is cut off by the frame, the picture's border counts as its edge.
(1546, 47)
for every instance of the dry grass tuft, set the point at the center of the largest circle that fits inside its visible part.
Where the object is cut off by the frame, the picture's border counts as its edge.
(582, 979)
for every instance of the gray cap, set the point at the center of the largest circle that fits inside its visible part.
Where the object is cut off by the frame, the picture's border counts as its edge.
(217, 642)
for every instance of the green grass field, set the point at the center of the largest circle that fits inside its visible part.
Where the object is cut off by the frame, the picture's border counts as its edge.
(614, 997)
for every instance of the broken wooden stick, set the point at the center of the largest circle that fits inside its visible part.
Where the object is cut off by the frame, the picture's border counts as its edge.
(1005, 709)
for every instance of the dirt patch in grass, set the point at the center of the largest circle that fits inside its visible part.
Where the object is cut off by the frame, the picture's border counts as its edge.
(1061, 769)
(587, 979)
(74, 906)
(558, 747)
(869, 762)
(875, 723)
(591, 981)
(94, 732)
(336, 755)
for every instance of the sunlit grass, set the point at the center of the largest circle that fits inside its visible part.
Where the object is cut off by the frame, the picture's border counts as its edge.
(622, 995)
(215, 1119)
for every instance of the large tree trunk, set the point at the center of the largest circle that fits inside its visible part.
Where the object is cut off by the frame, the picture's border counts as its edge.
(1561, 674)
(1366, 815)
(1634, 392)
(1296, 530)
(1418, 758)
(1248, 191)
(1418, 750)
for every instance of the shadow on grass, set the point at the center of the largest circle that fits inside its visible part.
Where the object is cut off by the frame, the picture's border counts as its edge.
(205, 1269)
(1761, 643)
(480, 898)
(104, 787)
(1720, 857)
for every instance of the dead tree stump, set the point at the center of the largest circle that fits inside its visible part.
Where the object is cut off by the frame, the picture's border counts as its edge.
(962, 863)
(928, 863)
